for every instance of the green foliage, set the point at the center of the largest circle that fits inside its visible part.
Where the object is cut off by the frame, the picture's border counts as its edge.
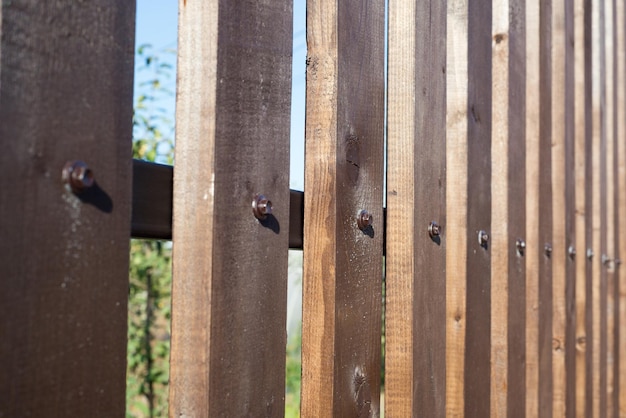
(293, 373)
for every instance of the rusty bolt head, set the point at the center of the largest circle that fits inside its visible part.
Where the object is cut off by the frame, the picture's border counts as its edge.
(605, 259)
(77, 176)
(364, 220)
(589, 253)
(548, 249)
(571, 251)
(483, 237)
(261, 207)
(520, 244)
(618, 261)
(434, 229)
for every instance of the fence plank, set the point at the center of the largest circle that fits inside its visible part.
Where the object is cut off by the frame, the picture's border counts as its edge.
(533, 216)
(500, 208)
(580, 179)
(479, 124)
(230, 269)
(415, 269)
(609, 168)
(545, 224)
(456, 203)
(66, 74)
(620, 16)
(343, 176)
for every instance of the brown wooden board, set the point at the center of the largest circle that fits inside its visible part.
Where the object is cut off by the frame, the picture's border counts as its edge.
(571, 252)
(581, 196)
(341, 337)
(517, 160)
(66, 82)
(415, 268)
(479, 112)
(532, 253)
(545, 211)
(456, 203)
(230, 269)
(152, 200)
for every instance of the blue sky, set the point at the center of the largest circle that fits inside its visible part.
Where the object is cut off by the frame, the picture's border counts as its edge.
(157, 26)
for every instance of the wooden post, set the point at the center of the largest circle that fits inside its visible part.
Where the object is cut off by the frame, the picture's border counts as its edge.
(415, 314)
(342, 281)
(230, 268)
(66, 82)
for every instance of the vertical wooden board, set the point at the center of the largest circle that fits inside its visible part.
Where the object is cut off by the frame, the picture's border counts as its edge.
(499, 245)
(620, 107)
(533, 216)
(517, 161)
(420, 154)
(230, 269)
(596, 39)
(66, 76)
(400, 245)
(580, 187)
(545, 210)
(456, 203)
(345, 115)
(479, 123)
(569, 296)
(559, 210)
(609, 168)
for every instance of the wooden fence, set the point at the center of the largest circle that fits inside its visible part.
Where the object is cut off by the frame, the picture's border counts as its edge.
(502, 238)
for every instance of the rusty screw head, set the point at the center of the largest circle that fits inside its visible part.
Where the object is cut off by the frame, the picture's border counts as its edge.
(605, 259)
(434, 230)
(548, 249)
(571, 251)
(520, 244)
(483, 238)
(77, 176)
(589, 253)
(261, 207)
(364, 220)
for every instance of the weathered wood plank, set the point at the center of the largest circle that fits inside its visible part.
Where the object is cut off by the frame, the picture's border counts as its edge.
(500, 207)
(343, 176)
(545, 223)
(400, 263)
(416, 160)
(581, 197)
(620, 117)
(456, 203)
(479, 176)
(230, 269)
(517, 161)
(557, 47)
(533, 244)
(66, 74)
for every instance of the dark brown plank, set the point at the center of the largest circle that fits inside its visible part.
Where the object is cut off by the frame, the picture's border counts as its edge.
(517, 160)
(152, 200)
(344, 175)
(66, 74)
(545, 211)
(478, 334)
(230, 269)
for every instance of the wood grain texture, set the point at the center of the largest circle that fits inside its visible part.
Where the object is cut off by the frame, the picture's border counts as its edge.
(533, 244)
(517, 161)
(400, 263)
(545, 236)
(580, 180)
(500, 206)
(559, 210)
(343, 176)
(66, 77)
(479, 124)
(456, 203)
(620, 184)
(596, 40)
(417, 162)
(230, 270)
